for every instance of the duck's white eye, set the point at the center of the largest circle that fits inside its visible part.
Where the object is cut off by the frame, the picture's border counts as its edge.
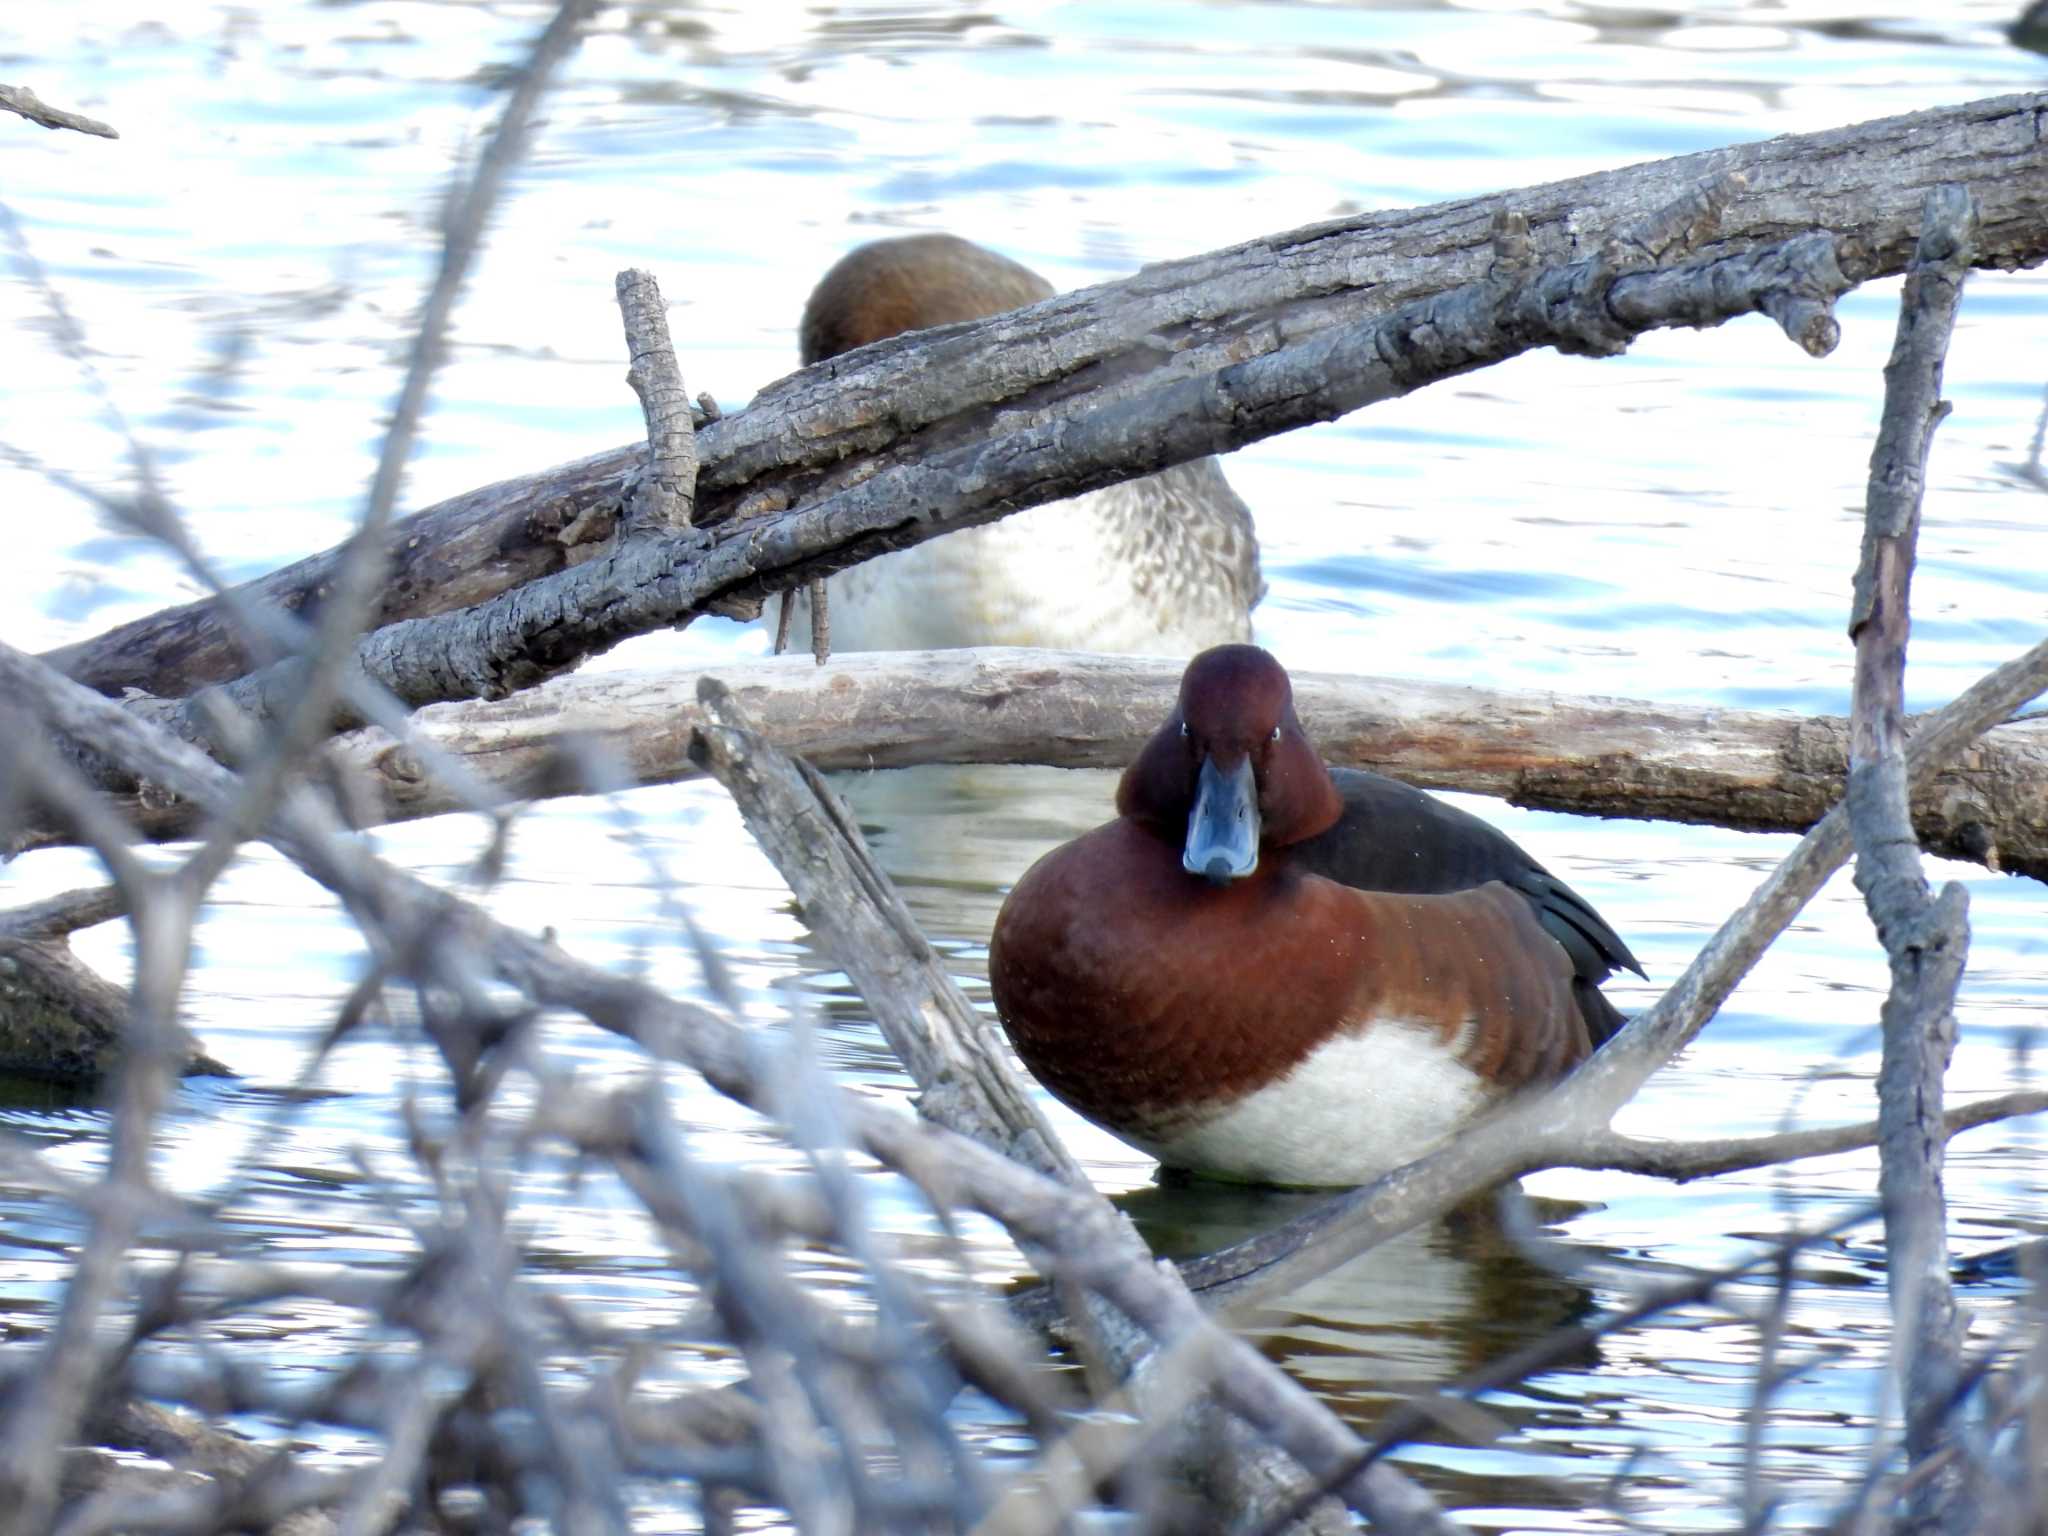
(1276, 733)
(1183, 730)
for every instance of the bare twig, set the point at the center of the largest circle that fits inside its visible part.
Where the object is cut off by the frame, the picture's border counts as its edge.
(1681, 1161)
(1926, 938)
(1405, 1421)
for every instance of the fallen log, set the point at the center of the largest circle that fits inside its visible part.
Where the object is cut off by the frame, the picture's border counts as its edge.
(913, 399)
(1595, 756)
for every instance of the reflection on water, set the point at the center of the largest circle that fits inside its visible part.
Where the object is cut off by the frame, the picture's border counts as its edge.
(1677, 524)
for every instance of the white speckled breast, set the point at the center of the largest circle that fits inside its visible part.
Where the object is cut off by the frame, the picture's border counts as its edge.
(1166, 565)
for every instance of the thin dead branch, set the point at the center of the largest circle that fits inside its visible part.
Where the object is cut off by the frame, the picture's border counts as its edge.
(667, 494)
(1681, 1161)
(1926, 938)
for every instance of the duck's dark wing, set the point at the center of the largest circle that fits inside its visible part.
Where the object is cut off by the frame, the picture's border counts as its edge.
(1393, 837)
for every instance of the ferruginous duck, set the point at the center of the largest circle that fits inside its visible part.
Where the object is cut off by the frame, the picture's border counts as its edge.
(1273, 971)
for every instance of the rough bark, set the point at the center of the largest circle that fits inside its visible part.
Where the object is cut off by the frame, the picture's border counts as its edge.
(907, 400)
(667, 494)
(520, 638)
(1604, 757)
(845, 898)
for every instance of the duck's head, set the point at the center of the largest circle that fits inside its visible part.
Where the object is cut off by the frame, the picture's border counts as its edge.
(906, 284)
(1231, 771)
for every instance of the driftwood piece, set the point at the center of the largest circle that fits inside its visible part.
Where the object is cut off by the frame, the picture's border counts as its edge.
(20, 99)
(667, 494)
(907, 400)
(1926, 937)
(1605, 757)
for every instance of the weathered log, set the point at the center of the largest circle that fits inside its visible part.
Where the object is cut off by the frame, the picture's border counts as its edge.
(908, 400)
(520, 638)
(1605, 757)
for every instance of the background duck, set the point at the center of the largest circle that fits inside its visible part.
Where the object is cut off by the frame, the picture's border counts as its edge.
(1164, 565)
(1265, 969)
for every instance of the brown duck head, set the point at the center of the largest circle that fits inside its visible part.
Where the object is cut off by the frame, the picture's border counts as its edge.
(1231, 772)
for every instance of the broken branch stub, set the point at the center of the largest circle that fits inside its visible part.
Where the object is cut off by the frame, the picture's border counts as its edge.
(665, 498)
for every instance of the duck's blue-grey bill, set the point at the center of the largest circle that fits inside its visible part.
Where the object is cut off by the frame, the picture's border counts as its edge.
(1223, 828)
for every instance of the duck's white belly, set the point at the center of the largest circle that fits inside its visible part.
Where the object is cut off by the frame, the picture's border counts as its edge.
(1358, 1106)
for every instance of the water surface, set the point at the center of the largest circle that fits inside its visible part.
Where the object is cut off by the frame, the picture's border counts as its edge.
(1679, 524)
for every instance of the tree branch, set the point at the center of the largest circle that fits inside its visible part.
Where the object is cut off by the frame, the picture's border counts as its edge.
(1682, 1161)
(1925, 938)
(913, 399)
(667, 493)
(521, 637)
